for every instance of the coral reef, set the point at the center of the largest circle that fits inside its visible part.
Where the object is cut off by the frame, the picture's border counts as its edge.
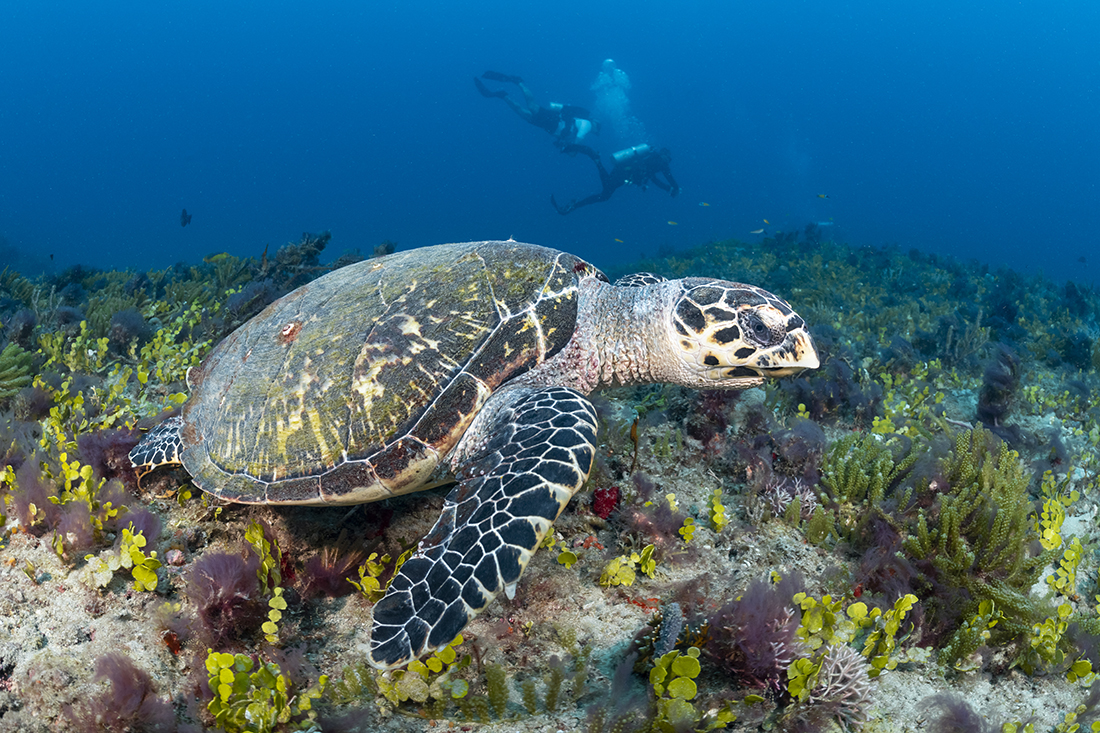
(298, 263)
(978, 540)
(15, 370)
(843, 693)
(224, 590)
(753, 636)
(956, 716)
(131, 703)
(816, 554)
(1000, 383)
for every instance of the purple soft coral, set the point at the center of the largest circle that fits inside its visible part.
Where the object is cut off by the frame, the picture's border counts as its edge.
(753, 637)
(130, 704)
(225, 591)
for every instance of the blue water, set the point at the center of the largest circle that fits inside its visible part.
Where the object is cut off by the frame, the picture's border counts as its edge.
(964, 128)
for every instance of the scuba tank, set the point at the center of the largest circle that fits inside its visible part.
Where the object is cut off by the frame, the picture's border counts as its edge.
(624, 155)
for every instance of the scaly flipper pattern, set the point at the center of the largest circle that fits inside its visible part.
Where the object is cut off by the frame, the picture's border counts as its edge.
(160, 447)
(528, 460)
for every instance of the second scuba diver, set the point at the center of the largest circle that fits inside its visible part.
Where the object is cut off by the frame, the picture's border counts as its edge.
(639, 165)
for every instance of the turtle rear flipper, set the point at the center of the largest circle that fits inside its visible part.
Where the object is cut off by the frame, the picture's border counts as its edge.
(160, 447)
(530, 455)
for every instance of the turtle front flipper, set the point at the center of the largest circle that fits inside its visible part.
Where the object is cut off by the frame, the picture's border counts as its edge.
(521, 461)
(160, 447)
(639, 280)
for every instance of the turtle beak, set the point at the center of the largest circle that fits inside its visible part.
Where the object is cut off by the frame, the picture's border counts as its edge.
(795, 354)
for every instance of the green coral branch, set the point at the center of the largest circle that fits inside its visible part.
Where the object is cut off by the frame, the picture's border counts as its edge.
(15, 370)
(861, 467)
(979, 540)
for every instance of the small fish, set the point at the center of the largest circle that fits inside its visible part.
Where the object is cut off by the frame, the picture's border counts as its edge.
(210, 259)
(1080, 259)
(51, 258)
(757, 231)
(767, 222)
(703, 203)
(823, 195)
(671, 223)
(618, 240)
(185, 218)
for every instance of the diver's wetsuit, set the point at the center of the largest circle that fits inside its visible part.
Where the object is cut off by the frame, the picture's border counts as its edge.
(640, 167)
(545, 117)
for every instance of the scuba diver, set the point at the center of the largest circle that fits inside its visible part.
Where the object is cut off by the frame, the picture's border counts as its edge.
(639, 165)
(566, 122)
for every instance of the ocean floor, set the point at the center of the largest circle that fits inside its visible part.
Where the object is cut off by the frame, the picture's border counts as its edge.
(666, 598)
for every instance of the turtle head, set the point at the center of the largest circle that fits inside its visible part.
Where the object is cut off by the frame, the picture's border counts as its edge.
(733, 336)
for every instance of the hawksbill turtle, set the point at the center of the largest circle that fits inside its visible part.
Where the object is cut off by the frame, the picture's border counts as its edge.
(466, 363)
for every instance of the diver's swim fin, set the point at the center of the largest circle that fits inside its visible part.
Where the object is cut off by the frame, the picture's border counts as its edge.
(487, 92)
(497, 76)
(563, 210)
(574, 148)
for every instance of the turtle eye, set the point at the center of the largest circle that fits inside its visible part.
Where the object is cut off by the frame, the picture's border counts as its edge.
(760, 331)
